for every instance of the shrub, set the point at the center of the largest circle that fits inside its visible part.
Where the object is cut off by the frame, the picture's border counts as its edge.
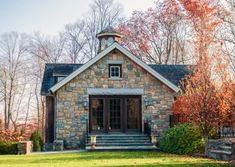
(8, 147)
(182, 139)
(10, 136)
(37, 140)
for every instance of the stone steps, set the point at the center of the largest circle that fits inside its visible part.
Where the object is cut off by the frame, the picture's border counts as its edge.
(222, 151)
(123, 144)
(120, 141)
(120, 148)
(221, 155)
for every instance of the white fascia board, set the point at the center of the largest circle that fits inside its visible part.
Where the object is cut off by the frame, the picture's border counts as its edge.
(148, 68)
(82, 68)
(105, 52)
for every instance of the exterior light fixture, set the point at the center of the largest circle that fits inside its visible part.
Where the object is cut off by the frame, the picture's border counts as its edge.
(85, 104)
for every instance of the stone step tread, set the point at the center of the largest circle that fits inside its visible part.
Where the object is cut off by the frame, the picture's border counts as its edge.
(221, 152)
(125, 137)
(128, 144)
(226, 147)
(120, 135)
(121, 138)
(121, 141)
(129, 138)
(121, 148)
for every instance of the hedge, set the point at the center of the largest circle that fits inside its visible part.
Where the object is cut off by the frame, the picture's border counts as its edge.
(182, 139)
(8, 147)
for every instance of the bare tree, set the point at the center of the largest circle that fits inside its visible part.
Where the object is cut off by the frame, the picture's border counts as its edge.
(13, 55)
(41, 53)
(227, 33)
(82, 44)
(49, 50)
(75, 41)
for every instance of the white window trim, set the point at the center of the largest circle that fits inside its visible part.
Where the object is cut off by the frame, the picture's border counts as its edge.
(119, 71)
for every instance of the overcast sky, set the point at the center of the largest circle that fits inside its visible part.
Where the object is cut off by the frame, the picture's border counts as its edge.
(50, 16)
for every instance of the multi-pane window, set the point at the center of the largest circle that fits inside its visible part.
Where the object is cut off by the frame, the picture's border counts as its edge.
(115, 71)
(97, 109)
(115, 114)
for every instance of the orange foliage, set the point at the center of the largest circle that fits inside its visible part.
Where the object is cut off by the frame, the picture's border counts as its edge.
(146, 32)
(27, 130)
(202, 99)
(10, 136)
(206, 16)
(23, 132)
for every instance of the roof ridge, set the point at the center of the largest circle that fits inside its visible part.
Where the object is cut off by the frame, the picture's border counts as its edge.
(64, 63)
(171, 64)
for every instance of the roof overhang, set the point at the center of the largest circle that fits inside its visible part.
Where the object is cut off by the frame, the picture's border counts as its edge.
(109, 34)
(115, 45)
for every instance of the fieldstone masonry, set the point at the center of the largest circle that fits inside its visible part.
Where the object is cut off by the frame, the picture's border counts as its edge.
(71, 115)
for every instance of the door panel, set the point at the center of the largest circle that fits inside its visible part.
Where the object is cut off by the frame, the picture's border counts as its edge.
(133, 113)
(97, 115)
(115, 113)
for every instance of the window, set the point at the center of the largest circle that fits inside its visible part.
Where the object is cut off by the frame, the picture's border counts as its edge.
(115, 71)
(110, 41)
(103, 44)
(60, 78)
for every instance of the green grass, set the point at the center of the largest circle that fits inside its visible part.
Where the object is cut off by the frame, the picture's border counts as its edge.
(86, 159)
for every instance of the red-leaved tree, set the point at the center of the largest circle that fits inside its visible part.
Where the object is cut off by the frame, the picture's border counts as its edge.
(159, 35)
(201, 96)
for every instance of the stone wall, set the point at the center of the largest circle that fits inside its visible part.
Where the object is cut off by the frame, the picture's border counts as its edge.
(222, 149)
(71, 115)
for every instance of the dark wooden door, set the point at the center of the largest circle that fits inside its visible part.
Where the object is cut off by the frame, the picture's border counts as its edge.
(97, 114)
(133, 113)
(115, 113)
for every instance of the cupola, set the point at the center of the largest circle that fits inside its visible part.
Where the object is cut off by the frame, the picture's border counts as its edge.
(107, 37)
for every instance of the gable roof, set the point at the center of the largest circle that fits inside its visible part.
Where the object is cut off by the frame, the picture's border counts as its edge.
(51, 70)
(115, 45)
(174, 73)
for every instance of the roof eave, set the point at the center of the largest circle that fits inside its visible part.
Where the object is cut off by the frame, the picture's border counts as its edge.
(105, 52)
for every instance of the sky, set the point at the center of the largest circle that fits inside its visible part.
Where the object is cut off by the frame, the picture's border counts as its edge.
(50, 16)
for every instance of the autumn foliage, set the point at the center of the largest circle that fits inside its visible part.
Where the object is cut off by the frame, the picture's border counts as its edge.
(10, 136)
(206, 95)
(23, 132)
(155, 35)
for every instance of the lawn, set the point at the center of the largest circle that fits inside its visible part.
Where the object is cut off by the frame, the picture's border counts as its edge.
(118, 158)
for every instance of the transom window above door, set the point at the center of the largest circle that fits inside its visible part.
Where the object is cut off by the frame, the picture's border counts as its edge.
(115, 71)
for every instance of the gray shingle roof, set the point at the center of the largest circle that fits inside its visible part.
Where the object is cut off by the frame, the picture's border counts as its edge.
(173, 73)
(52, 70)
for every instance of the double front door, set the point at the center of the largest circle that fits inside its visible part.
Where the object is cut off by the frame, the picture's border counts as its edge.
(115, 113)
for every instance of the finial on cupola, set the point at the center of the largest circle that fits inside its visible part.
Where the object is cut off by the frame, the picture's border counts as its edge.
(107, 37)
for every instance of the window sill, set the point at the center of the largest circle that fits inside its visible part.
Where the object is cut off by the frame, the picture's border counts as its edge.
(115, 79)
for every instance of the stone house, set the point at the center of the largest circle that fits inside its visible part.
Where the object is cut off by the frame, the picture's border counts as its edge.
(115, 93)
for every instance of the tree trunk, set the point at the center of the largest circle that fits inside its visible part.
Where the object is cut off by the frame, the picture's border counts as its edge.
(5, 109)
(43, 117)
(206, 144)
